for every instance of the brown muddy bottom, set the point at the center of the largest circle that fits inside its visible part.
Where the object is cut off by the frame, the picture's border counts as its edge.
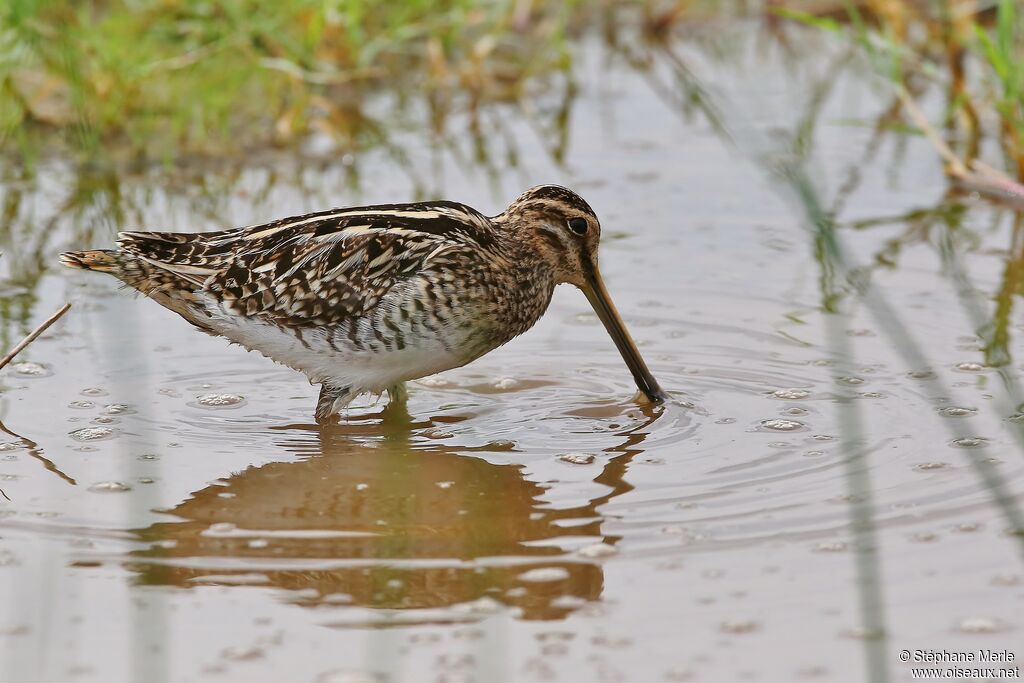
(810, 502)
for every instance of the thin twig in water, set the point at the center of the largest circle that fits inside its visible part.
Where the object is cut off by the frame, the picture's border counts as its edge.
(32, 336)
(37, 452)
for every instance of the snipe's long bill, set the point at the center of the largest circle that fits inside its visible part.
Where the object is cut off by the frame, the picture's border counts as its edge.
(363, 299)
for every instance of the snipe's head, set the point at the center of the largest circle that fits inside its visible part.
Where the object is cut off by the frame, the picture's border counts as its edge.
(562, 229)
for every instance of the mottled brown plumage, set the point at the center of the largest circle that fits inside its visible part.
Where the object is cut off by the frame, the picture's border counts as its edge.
(365, 298)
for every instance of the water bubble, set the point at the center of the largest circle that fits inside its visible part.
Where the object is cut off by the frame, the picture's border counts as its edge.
(258, 543)
(831, 547)
(554, 650)
(484, 605)
(220, 529)
(794, 412)
(929, 466)
(570, 602)
(863, 633)
(10, 446)
(94, 391)
(921, 374)
(444, 484)
(851, 381)
(725, 421)
(739, 626)
(435, 382)
(970, 442)
(957, 411)
(220, 400)
(598, 550)
(469, 633)
(19, 630)
(969, 367)
(980, 625)
(438, 433)
(611, 642)
(505, 383)
(790, 394)
(1007, 580)
(92, 434)
(349, 675)
(81, 405)
(872, 394)
(778, 425)
(110, 487)
(117, 409)
(544, 574)
(242, 653)
(29, 369)
(577, 458)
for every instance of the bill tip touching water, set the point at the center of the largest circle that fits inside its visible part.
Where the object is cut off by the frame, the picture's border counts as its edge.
(363, 299)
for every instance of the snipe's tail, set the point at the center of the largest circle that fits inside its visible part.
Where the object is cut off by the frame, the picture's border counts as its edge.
(102, 260)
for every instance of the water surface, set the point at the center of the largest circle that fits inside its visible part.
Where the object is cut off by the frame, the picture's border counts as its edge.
(174, 515)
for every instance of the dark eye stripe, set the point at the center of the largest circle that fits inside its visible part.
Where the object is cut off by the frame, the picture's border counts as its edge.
(552, 238)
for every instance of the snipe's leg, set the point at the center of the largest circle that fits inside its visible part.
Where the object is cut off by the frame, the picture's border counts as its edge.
(331, 401)
(398, 394)
(397, 410)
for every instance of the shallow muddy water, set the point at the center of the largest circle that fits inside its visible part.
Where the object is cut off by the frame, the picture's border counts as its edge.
(809, 504)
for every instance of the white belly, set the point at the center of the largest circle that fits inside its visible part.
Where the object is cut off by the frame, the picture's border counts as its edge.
(337, 366)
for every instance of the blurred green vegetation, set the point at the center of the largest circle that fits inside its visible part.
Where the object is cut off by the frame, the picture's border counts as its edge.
(973, 49)
(165, 79)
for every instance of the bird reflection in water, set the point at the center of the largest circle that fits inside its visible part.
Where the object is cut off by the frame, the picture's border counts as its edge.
(392, 522)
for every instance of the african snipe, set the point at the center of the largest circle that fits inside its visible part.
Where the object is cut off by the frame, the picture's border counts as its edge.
(363, 299)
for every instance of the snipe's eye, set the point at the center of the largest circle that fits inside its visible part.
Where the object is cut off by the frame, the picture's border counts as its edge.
(578, 225)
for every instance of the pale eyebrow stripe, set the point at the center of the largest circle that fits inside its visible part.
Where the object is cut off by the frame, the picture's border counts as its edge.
(425, 214)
